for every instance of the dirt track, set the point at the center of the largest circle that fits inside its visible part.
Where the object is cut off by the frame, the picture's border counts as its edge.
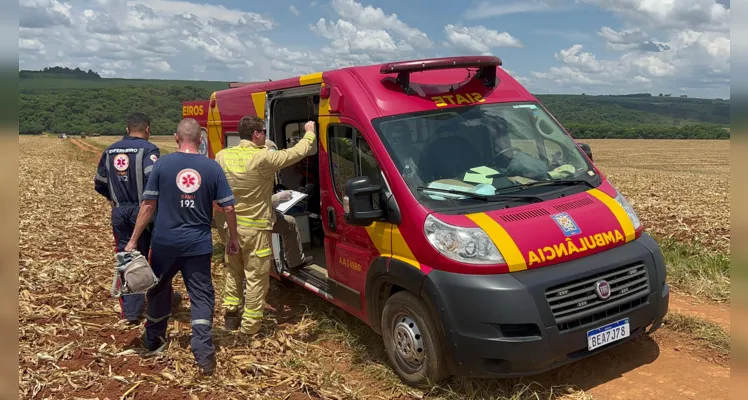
(70, 338)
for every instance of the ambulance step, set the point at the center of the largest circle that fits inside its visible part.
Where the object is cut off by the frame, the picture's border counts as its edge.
(309, 277)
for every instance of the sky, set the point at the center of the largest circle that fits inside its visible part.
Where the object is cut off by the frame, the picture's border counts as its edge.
(550, 46)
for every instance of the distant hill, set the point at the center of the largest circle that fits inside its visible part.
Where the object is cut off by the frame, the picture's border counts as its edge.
(57, 79)
(59, 99)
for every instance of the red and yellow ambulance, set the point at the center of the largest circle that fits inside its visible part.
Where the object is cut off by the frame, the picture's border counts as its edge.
(452, 213)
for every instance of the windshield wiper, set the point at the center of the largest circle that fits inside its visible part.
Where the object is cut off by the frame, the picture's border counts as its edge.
(549, 183)
(485, 197)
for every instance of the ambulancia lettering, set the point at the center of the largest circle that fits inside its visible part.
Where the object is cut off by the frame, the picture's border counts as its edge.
(572, 246)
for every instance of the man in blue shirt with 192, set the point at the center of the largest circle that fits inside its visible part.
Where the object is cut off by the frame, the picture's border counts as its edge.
(124, 169)
(183, 187)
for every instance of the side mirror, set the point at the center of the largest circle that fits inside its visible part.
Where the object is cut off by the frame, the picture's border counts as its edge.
(587, 149)
(358, 202)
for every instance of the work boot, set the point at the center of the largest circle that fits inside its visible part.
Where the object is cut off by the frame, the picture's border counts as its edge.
(150, 349)
(209, 368)
(232, 320)
(176, 300)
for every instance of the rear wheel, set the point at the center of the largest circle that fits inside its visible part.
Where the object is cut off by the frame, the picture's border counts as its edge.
(412, 341)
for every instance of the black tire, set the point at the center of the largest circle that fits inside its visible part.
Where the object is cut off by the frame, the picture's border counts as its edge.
(417, 355)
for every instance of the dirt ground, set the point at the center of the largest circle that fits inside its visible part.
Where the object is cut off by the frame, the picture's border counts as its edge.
(72, 344)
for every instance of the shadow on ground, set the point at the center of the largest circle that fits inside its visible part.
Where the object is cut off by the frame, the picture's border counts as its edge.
(367, 349)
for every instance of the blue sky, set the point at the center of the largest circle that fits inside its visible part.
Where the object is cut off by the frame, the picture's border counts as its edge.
(552, 46)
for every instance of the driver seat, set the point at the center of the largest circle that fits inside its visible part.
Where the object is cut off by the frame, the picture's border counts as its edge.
(447, 157)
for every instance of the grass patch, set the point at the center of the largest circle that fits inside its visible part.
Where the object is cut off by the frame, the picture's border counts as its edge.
(697, 272)
(707, 333)
(367, 355)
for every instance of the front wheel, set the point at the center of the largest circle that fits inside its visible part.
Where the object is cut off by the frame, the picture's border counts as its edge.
(412, 341)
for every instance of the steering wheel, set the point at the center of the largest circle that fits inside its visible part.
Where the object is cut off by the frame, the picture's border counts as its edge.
(502, 152)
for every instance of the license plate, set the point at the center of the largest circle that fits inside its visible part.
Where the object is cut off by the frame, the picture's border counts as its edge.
(607, 334)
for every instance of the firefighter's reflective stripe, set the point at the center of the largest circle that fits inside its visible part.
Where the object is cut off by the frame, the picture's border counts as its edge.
(202, 322)
(231, 301)
(264, 252)
(254, 223)
(253, 313)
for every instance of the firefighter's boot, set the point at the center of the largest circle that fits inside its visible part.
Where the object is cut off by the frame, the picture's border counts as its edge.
(232, 320)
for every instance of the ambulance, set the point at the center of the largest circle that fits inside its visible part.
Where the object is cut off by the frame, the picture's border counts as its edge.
(453, 214)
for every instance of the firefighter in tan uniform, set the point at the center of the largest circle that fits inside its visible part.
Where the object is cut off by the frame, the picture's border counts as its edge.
(250, 169)
(285, 225)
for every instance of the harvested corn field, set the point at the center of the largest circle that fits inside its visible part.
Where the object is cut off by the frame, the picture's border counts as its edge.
(679, 188)
(72, 344)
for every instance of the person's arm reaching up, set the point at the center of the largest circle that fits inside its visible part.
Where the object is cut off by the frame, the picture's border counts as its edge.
(277, 160)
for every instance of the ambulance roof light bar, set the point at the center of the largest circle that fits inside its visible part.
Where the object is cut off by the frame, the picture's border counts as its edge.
(486, 68)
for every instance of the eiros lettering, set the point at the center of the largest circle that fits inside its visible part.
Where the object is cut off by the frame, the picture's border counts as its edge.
(190, 111)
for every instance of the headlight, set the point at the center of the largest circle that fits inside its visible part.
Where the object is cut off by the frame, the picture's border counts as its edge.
(629, 210)
(468, 245)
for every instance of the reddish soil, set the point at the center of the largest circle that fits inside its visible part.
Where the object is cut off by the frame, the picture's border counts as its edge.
(713, 312)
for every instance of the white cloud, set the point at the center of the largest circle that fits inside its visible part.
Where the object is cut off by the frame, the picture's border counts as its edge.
(365, 35)
(486, 9)
(206, 12)
(294, 10)
(478, 39)
(158, 38)
(678, 14)
(44, 14)
(694, 53)
(370, 18)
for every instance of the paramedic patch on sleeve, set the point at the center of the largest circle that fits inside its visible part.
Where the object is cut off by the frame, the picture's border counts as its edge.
(568, 226)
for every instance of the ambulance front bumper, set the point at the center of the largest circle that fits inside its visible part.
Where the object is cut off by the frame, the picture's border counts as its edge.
(510, 325)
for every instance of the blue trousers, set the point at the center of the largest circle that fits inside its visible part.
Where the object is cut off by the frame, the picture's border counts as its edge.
(196, 273)
(123, 224)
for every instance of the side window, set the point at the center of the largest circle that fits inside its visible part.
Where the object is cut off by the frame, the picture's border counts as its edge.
(340, 145)
(368, 166)
(348, 161)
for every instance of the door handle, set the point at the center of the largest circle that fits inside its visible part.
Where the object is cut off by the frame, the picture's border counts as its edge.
(331, 218)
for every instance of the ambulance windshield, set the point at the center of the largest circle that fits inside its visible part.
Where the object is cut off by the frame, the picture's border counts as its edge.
(483, 150)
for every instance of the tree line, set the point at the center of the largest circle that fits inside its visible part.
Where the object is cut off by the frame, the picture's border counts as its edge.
(103, 110)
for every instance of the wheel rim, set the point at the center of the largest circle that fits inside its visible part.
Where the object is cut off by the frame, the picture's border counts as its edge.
(408, 343)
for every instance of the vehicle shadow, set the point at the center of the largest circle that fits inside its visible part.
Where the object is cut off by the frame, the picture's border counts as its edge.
(367, 348)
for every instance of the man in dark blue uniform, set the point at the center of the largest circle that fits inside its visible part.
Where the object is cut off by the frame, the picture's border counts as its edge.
(182, 188)
(123, 172)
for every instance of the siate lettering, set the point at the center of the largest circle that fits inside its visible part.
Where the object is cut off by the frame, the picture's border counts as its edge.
(458, 99)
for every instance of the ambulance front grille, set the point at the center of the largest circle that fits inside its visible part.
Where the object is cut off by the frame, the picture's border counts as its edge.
(576, 300)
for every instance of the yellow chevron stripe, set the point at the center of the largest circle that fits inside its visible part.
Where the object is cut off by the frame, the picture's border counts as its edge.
(618, 211)
(502, 240)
